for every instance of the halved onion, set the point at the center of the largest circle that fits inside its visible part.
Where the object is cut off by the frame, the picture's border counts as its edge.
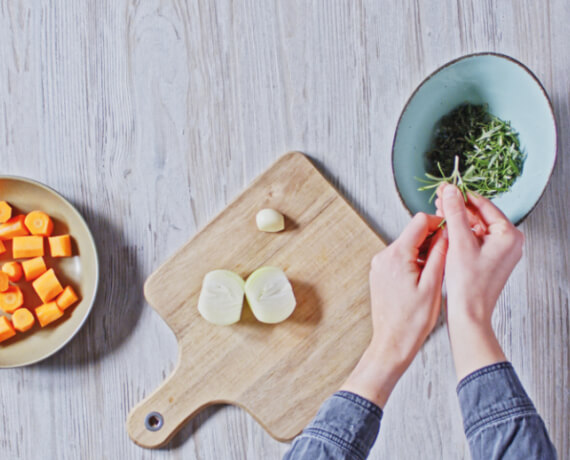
(270, 295)
(221, 297)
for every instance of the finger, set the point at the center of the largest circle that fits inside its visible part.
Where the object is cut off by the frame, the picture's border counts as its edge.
(438, 207)
(417, 230)
(487, 210)
(479, 230)
(455, 213)
(440, 188)
(432, 274)
(476, 222)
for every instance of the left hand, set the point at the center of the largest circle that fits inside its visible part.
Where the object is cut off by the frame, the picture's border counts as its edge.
(406, 299)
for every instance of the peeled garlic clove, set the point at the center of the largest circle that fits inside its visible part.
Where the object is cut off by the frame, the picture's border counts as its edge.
(269, 220)
(221, 297)
(270, 295)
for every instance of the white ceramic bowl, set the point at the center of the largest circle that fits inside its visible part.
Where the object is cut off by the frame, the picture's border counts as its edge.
(81, 271)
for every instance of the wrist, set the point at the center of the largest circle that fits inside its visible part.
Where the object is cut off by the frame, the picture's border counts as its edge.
(471, 315)
(375, 375)
(474, 345)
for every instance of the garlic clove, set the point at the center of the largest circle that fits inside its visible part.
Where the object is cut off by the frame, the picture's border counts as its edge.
(269, 220)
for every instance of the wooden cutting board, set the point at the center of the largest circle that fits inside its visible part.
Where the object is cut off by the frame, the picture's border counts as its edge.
(279, 373)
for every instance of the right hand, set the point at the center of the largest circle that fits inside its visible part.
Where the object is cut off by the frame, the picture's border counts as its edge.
(405, 296)
(477, 268)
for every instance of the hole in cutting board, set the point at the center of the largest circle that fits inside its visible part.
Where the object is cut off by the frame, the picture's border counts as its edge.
(153, 421)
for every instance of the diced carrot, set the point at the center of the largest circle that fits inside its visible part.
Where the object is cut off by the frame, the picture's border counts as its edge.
(47, 286)
(34, 268)
(27, 246)
(6, 329)
(22, 319)
(2, 247)
(67, 298)
(4, 281)
(5, 212)
(39, 223)
(13, 227)
(48, 313)
(13, 270)
(60, 246)
(11, 299)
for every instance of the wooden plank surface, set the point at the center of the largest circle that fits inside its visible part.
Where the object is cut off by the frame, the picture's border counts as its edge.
(279, 373)
(152, 116)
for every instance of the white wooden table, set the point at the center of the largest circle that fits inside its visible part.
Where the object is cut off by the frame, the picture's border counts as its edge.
(151, 115)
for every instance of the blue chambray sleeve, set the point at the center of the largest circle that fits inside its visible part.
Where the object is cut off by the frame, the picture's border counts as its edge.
(499, 418)
(345, 427)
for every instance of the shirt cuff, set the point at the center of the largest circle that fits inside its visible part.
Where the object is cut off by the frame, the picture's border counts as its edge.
(348, 421)
(492, 395)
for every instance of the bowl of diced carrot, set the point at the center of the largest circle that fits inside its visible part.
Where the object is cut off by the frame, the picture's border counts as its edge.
(49, 271)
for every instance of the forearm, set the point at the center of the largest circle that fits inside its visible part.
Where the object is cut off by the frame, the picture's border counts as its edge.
(347, 424)
(499, 418)
(473, 344)
(375, 375)
(345, 428)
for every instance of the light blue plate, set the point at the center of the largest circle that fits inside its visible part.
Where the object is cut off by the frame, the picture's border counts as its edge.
(512, 93)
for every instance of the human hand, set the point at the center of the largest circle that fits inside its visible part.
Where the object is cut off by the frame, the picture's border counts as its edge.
(405, 294)
(477, 268)
(476, 223)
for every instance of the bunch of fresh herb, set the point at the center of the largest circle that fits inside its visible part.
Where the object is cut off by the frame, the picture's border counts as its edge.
(475, 151)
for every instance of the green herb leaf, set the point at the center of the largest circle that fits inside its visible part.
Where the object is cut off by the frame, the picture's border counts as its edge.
(475, 151)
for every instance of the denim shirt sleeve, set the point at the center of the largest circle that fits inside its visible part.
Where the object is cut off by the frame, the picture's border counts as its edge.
(345, 427)
(499, 418)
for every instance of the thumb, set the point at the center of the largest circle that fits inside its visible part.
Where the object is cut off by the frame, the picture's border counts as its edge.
(455, 214)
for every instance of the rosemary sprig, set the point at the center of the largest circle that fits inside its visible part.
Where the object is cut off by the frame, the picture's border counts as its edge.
(455, 178)
(475, 151)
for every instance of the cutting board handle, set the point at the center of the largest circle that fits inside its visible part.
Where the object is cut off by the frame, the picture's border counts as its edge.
(156, 419)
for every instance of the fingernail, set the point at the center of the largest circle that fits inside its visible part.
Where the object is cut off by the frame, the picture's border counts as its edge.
(450, 191)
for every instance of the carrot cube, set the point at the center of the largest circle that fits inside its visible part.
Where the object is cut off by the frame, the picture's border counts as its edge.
(13, 270)
(48, 313)
(67, 298)
(60, 246)
(34, 268)
(4, 281)
(13, 227)
(39, 223)
(6, 329)
(27, 246)
(11, 299)
(2, 247)
(22, 319)
(5, 212)
(47, 286)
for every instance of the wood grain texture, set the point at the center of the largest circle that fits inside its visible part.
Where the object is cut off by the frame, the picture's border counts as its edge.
(152, 116)
(279, 373)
